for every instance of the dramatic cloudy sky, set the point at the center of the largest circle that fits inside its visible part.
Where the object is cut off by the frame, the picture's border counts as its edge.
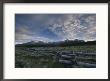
(54, 27)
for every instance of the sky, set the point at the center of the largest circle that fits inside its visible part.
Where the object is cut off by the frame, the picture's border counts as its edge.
(54, 27)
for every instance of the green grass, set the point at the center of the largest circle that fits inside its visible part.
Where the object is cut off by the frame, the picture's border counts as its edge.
(43, 58)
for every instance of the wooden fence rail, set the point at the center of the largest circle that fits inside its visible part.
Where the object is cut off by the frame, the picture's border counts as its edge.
(69, 59)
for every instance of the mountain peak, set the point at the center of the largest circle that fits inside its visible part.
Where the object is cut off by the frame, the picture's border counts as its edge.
(31, 42)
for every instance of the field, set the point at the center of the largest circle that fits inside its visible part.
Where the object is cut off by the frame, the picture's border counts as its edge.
(56, 57)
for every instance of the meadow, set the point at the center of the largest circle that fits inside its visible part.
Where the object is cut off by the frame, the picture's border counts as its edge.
(47, 57)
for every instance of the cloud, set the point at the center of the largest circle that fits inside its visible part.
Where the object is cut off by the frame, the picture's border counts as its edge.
(23, 34)
(76, 26)
(22, 38)
(53, 27)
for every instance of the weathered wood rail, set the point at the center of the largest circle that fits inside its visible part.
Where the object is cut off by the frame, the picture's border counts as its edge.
(88, 65)
(69, 59)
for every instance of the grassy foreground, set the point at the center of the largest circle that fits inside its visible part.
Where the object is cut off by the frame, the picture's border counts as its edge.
(44, 57)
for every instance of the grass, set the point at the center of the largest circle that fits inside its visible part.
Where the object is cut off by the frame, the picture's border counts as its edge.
(44, 57)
